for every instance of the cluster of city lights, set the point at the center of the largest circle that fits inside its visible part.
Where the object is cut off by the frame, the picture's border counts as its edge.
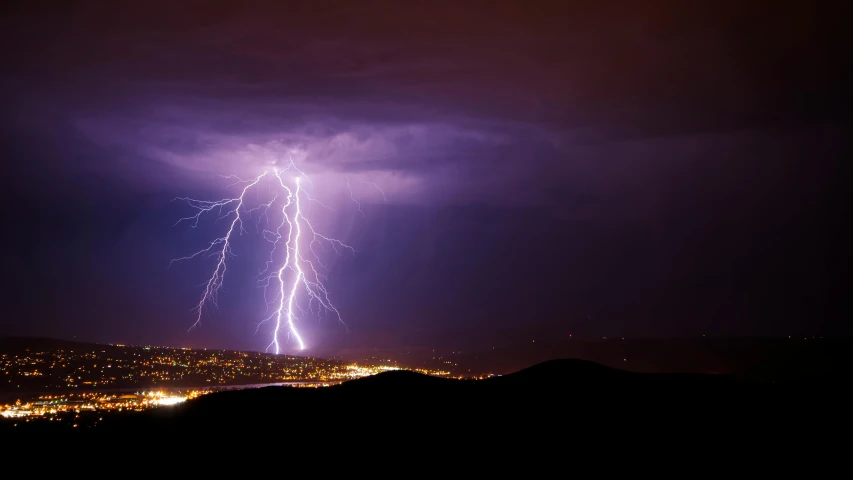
(61, 405)
(72, 406)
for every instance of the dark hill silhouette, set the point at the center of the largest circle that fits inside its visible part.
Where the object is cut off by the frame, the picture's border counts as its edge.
(399, 379)
(556, 397)
(554, 394)
(550, 402)
(771, 360)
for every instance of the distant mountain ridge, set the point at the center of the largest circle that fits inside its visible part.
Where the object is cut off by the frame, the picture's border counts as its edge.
(556, 396)
(553, 395)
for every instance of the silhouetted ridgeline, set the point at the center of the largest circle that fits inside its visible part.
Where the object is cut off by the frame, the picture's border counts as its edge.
(541, 407)
(760, 359)
(552, 395)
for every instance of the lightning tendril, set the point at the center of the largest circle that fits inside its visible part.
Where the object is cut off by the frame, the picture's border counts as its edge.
(297, 275)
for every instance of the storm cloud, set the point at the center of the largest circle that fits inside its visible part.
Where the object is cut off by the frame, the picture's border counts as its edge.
(648, 163)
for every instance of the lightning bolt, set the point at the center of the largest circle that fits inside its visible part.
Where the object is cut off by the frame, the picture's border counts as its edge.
(377, 187)
(296, 275)
(352, 197)
(223, 243)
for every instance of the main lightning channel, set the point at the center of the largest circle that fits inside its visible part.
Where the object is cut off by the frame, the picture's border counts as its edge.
(294, 225)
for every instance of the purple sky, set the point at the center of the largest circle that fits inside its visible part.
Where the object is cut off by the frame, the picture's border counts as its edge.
(633, 169)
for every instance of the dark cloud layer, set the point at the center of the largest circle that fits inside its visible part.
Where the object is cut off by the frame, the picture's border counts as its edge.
(606, 167)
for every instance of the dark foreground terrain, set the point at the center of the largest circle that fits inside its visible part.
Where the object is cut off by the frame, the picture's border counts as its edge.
(562, 397)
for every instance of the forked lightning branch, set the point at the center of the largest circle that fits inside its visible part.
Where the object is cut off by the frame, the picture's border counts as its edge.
(293, 271)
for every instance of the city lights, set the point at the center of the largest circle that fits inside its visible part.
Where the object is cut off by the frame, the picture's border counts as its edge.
(88, 380)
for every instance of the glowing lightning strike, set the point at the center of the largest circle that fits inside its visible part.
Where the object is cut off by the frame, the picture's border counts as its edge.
(215, 281)
(292, 230)
(382, 192)
(352, 197)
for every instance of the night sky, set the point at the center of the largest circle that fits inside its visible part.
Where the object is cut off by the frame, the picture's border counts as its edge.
(636, 169)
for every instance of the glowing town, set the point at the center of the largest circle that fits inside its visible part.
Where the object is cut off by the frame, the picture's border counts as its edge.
(70, 380)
